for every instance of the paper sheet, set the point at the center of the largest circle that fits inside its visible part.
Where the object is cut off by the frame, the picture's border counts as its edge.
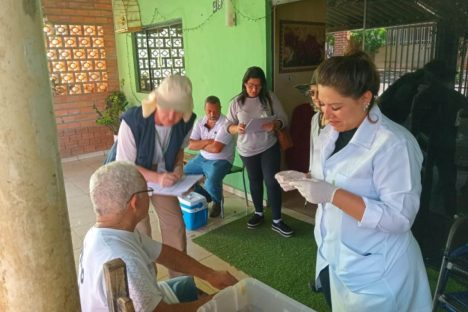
(182, 186)
(255, 125)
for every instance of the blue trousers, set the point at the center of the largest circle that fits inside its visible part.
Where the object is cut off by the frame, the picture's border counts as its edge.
(214, 172)
(184, 288)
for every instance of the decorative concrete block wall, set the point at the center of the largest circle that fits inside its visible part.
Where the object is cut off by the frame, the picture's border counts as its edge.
(82, 63)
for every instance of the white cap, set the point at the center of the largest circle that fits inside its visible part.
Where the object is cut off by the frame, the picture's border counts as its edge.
(174, 92)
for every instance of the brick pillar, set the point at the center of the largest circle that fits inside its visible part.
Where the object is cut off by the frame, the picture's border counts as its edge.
(37, 270)
(341, 43)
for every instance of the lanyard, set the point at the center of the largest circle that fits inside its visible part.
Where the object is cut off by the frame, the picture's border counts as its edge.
(159, 142)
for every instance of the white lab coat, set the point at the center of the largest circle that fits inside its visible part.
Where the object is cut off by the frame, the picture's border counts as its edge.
(375, 264)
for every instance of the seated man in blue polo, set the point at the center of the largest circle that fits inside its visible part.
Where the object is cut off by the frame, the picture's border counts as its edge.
(216, 146)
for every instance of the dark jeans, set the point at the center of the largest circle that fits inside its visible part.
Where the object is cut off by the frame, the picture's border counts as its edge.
(263, 167)
(443, 159)
(324, 277)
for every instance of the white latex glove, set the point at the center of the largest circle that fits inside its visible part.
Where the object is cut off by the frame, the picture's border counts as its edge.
(284, 178)
(315, 191)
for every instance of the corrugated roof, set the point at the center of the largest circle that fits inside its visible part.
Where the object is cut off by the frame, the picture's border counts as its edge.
(349, 14)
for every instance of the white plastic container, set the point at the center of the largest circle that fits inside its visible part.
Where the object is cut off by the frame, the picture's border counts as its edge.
(194, 210)
(251, 295)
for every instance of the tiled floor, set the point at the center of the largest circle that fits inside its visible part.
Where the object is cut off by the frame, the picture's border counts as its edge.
(76, 175)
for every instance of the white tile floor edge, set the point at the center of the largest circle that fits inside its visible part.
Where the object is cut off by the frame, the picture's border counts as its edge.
(83, 156)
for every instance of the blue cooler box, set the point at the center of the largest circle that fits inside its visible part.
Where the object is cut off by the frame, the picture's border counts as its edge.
(194, 210)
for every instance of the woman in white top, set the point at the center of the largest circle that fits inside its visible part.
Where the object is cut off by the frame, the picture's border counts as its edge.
(366, 178)
(259, 149)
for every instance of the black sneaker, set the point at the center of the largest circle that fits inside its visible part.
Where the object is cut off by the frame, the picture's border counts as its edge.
(215, 210)
(255, 221)
(282, 229)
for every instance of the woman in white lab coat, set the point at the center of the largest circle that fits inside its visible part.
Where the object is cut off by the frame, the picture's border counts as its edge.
(366, 180)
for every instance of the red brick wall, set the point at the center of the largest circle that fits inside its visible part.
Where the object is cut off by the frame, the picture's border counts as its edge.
(75, 116)
(341, 43)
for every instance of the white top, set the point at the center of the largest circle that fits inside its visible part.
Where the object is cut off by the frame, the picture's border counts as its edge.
(250, 144)
(138, 251)
(375, 264)
(218, 133)
(126, 148)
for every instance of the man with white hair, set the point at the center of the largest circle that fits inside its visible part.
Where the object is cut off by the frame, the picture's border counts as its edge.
(153, 136)
(120, 199)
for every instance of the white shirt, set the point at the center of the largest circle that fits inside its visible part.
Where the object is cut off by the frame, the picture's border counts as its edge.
(218, 133)
(138, 251)
(377, 258)
(126, 147)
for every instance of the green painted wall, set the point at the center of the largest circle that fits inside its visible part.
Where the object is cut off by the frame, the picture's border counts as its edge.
(216, 56)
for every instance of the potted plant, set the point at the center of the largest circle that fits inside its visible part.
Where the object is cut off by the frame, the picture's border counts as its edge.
(110, 116)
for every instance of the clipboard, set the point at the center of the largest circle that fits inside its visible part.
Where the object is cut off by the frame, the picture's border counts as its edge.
(178, 189)
(255, 125)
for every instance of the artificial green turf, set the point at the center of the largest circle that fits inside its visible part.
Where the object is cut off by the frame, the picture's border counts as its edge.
(286, 264)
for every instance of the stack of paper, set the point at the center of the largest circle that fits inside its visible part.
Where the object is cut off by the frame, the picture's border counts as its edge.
(178, 189)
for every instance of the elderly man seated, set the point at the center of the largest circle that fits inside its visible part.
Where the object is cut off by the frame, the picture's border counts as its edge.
(120, 199)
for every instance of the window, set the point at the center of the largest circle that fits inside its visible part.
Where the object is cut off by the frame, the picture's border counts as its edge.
(76, 58)
(160, 53)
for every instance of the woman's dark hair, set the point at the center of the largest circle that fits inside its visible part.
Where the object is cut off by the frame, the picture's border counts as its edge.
(351, 75)
(256, 72)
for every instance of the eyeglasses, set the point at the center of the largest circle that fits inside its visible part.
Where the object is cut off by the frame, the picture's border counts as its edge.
(149, 191)
(252, 86)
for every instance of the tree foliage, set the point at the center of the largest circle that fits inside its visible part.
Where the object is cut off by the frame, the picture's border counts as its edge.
(374, 39)
(330, 39)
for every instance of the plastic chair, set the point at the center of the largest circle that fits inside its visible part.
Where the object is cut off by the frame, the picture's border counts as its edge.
(454, 266)
(297, 157)
(236, 169)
